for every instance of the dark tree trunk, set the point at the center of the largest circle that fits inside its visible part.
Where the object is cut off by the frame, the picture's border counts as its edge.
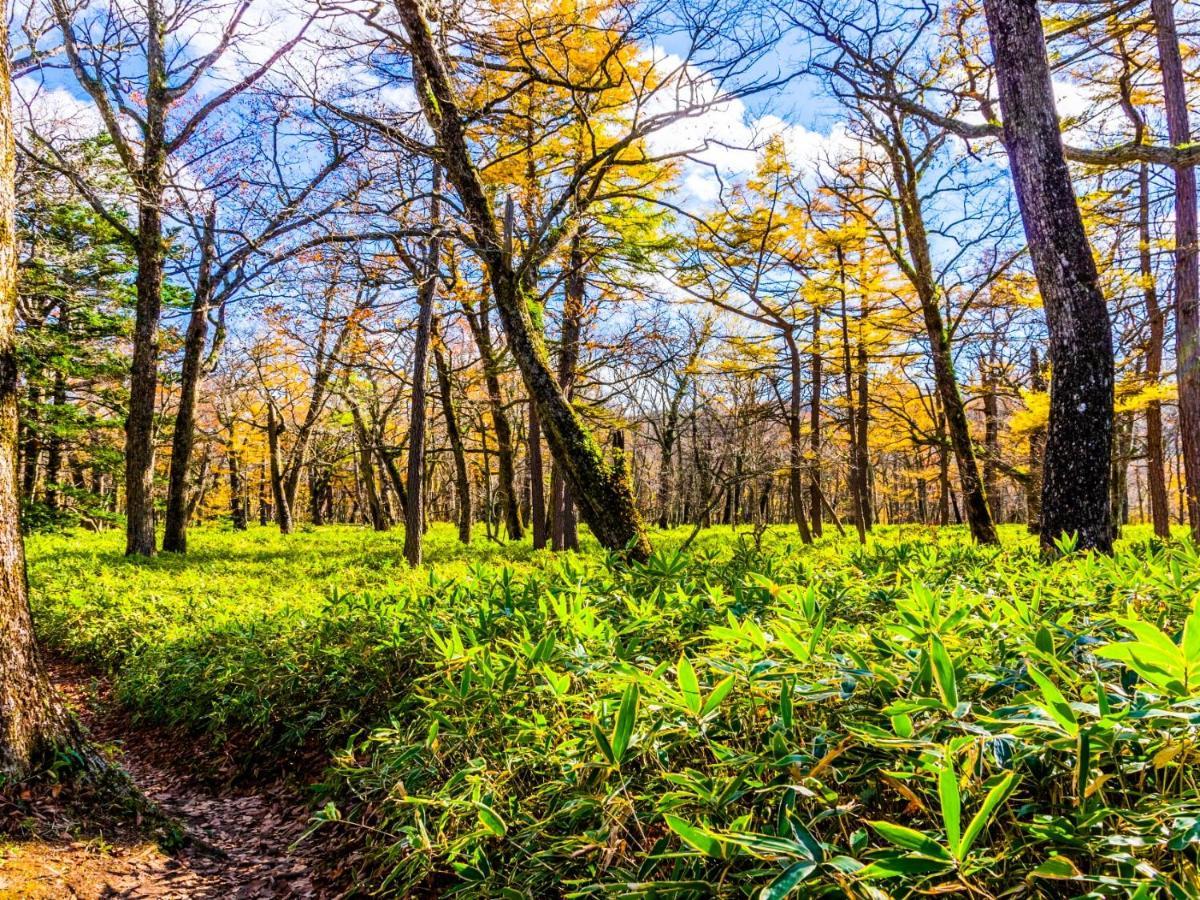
(184, 437)
(1075, 495)
(143, 376)
(462, 480)
(862, 419)
(1187, 255)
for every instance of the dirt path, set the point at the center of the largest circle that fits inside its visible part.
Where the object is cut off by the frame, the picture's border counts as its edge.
(244, 834)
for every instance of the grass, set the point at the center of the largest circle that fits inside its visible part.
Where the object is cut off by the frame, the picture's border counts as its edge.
(739, 719)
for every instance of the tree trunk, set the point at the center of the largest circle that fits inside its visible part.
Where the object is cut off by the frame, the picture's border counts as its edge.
(414, 507)
(1156, 474)
(55, 446)
(1075, 495)
(991, 441)
(853, 479)
(795, 446)
(1187, 255)
(366, 474)
(1037, 453)
(31, 447)
(482, 333)
(564, 526)
(184, 437)
(919, 270)
(537, 482)
(462, 480)
(143, 376)
(602, 489)
(237, 503)
(814, 426)
(33, 725)
(283, 507)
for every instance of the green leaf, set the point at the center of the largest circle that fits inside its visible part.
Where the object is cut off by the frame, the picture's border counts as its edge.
(911, 839)
(719, 693)
(997, 795)
(943, 673)
(951, 801)
(901, 867)
(602, 742)
(1056, 704)
(697, 838)
(491, 820)
(689, 685)
(626, 719)
(787, 880)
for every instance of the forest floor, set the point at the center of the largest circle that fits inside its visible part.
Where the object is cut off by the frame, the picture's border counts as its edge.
(240, 837)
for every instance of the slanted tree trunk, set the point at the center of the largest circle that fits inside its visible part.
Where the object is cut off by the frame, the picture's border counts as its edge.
(33, 725)
(1187, 255)
(462, 480)
(601, 488)
(918, 268)
(1075, 494)
(184, 437)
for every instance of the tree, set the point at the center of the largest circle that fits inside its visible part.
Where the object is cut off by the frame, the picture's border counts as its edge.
(33, 723)
(147, 99)
(1075, 494)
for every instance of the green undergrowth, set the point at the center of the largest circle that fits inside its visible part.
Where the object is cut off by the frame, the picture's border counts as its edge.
(746, 718)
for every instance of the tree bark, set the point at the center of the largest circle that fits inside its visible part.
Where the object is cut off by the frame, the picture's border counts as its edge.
(283, 507)
(140, 539)
(1187, 255)
(184, 437)
(1075, 495)
(1156, 474)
